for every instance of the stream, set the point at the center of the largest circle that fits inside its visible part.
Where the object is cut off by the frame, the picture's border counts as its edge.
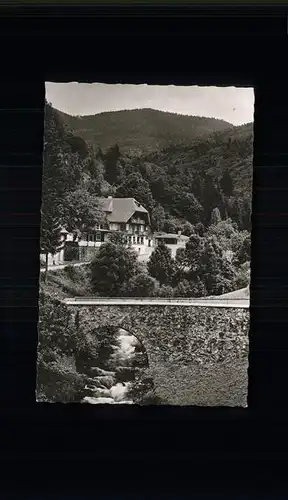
(115, 384)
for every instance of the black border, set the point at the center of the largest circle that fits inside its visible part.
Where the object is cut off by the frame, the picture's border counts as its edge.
(176, 447)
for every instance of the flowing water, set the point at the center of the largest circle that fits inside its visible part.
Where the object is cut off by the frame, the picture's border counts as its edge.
(112, 385)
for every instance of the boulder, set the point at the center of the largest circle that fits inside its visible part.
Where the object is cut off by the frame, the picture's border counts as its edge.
(105, 381)
(99, 372)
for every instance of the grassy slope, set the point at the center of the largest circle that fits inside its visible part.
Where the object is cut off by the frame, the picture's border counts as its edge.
(68, 282)
(141, 130)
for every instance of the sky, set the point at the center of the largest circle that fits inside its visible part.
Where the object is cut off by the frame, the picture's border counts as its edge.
(232, 104)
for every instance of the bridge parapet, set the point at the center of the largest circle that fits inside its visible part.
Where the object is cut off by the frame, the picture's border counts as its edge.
(138, 301)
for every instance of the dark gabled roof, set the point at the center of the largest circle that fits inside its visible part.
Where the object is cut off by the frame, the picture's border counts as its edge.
(121, 209)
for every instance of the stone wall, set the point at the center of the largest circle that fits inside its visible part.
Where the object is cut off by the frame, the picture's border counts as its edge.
(197, 355)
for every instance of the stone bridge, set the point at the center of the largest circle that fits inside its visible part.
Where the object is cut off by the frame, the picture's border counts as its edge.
(197, 348)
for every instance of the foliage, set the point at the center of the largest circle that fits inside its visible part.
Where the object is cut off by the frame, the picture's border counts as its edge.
(187, 174)
(81, 211)
(51, 239)
(118, 238)
(242, 278)
(141, 130)
(243, 252)
(95, 348)
(226, 232)
(50, 234)
(215, 216)
(157, 218)
(111, 164)
(165, 291)
(161, 265)
(57, 378)
(136, 187)
(140, 285)
(59, 381)
(193, 252)
(70, 170)
(111, 267)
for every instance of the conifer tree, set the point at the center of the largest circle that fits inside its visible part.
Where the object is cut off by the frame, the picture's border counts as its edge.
(161, 265)
(51, 239)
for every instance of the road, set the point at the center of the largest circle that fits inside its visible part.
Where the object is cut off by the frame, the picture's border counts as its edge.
(58, 267)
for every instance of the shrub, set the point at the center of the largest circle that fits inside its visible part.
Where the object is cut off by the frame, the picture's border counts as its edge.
(111, 268)
(165, 291)
(141, 285)
(59, 381)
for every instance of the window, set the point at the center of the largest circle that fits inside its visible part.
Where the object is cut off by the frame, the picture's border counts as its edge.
(98, 236)
(91, 237)
(142, 240)
(134, 239)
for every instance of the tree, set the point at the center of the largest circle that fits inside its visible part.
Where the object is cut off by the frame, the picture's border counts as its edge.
(157, 218)
(209, 265)
(226, 183)
(111, 164)
(226, 234)
(161, 265)
(118, 238)
(182, 289)
(140, 285)
(134, 186)
(57, 377)
(242, 278)
(200, 229)
(211, 198)
(193, 251)
(244, 252)
(215, 217)
(197, 288)
(165, 291)
(50, 235)
(111, 267)
(186, 205)
(188, 228)
(81, 212)
(215, 270)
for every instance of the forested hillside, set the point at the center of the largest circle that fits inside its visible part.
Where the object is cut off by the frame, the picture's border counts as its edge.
(141, 130)
(180, 185)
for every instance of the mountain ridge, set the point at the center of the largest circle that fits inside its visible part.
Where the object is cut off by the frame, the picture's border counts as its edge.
(141, 131)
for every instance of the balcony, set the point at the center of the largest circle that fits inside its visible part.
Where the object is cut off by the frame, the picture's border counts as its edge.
(138, 221)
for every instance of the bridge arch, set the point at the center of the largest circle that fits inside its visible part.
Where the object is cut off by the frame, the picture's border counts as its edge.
(198, 353)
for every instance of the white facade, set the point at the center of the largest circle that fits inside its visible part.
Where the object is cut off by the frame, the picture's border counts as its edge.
(139, 241)
(136, 226)
(174, 247)
(172, 241)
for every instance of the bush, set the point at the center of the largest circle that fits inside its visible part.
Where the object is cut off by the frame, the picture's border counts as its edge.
(242, 278)
(77, 273)
(111, 268)
(71, 251)
(141, 285)
(165, 291)
(59, 381)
